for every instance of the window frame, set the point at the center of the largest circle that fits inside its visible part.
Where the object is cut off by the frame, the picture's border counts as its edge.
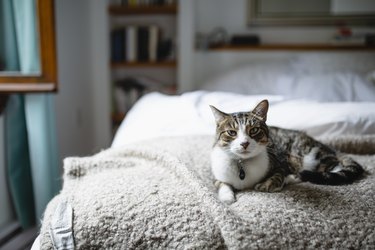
(46, 80)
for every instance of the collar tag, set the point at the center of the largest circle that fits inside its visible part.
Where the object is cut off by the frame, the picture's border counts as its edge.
(242, 173)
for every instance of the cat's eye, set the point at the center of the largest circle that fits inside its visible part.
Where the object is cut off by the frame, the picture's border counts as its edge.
(231, 132)
(254, 130)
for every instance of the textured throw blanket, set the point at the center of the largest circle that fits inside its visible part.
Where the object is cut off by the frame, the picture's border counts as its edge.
(160, 194)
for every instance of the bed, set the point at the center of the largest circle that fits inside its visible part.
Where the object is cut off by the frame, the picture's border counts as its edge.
(153, 187)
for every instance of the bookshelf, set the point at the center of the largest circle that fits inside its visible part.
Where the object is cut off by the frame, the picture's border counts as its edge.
(128, 63)
(167, 9)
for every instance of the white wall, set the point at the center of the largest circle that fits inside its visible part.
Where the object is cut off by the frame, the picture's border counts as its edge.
(232, 16)
(100, 74)
(82, 101)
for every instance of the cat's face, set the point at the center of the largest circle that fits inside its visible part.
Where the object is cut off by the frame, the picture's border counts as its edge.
(244, 134)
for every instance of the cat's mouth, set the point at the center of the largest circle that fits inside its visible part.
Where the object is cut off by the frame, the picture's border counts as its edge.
(243, 152)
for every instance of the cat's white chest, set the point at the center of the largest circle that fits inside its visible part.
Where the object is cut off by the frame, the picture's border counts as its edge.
(226, 169)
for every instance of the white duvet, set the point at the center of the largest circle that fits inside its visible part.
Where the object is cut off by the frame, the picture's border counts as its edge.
(157, 115)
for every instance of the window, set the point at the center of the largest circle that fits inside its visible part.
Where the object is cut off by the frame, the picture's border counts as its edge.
(46, 79)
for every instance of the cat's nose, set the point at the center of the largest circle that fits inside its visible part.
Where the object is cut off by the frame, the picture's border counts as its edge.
(245, 144)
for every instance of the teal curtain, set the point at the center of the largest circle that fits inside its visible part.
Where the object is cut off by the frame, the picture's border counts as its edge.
(31, 146)
(40, 119)
(26, 35)
(8, 40)
(18, 161)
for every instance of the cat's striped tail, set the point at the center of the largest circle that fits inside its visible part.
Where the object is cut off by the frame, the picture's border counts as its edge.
(345, 173)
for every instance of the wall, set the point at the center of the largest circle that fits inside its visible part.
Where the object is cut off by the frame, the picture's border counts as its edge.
(99, 74)
(79, 106)
(232, 16)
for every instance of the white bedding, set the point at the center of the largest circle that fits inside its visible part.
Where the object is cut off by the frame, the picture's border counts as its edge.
(157, 115)
(324, 96)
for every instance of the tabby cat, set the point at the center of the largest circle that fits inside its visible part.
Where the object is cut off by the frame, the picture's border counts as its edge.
(249, 154)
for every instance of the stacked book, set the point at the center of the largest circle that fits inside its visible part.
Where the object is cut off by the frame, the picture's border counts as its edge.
(135, 43)
(129, 89)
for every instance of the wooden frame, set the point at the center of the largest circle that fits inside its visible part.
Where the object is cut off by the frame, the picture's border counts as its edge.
(46, 80)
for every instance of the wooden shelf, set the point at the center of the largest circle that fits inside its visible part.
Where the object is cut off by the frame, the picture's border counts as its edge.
(166, 64)
(293, 47)
(143, 10)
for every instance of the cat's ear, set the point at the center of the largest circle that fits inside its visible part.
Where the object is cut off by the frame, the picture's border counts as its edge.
(261, 110)
(219, 115)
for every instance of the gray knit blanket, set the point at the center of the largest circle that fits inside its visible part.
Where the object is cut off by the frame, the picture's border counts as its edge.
(160, 195)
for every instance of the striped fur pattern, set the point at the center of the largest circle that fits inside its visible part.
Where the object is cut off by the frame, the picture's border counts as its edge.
(270, 157)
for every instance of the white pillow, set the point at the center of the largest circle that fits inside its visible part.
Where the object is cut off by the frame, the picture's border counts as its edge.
(190, 114)
(323, 62)
(330, 87)
(325, 119)
(252, 79)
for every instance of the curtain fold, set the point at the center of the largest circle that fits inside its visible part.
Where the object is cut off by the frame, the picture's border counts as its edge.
(32, 160)
(26, 35)
(18, 161)
(40, 120)
(8, 39)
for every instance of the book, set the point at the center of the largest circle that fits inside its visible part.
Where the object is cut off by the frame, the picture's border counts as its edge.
(131, 43)
(164, 49)
(153, 43)
(243, 39)
(118, 45)
(139, 44)
(143, 40)
(120, 100)
(126, 92)
(351, 40)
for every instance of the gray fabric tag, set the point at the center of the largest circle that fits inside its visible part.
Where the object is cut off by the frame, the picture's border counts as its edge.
(61, 227)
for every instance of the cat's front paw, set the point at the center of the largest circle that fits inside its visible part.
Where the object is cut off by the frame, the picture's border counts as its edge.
(226, 195)
(228, 199)
(267, 186)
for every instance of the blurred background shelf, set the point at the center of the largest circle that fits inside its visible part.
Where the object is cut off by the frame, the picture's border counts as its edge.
(165, 64)
(149, 66)
(170, 9)
(296, 47)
